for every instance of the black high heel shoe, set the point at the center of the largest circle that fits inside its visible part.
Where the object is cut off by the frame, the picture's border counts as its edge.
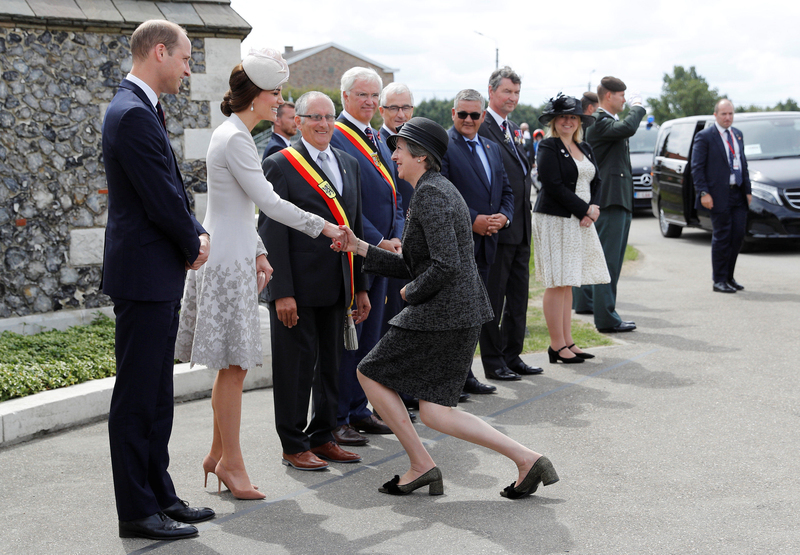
(432, 479)
(581, 355)
(555, 357)
(541, 471)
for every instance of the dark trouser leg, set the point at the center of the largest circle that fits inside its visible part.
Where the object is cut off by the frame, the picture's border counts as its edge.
(516, 306)
(352, 400)
(330, 328)
(140, 418)
(582, 298)
(727, 236)
(294, 353)
(491, 340)
(613, 226)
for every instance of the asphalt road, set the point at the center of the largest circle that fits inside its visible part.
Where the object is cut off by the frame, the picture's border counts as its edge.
(681, 438)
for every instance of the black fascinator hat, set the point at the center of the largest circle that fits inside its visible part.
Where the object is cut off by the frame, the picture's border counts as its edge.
(563, 105)
(426, 133)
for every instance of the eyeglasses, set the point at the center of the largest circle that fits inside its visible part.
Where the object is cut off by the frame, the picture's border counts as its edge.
(316, 118)
(474, 115)
(365, 96)
(393, 109)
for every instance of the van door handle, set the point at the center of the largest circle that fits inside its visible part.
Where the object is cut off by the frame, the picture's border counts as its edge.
(680, 168)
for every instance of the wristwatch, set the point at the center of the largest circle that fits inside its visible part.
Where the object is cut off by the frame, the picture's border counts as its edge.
(703, 193)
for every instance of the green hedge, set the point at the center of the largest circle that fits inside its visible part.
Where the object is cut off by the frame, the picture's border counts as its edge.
(53, 359)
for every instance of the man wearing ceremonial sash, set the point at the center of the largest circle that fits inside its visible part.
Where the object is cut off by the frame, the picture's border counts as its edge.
(383, 226)
(313, 287)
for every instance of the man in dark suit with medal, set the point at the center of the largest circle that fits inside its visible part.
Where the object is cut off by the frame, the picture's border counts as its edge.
(312, 287)
(502, 339)
(383, 219)
(474, 165)
(152, 237)
(722, 183)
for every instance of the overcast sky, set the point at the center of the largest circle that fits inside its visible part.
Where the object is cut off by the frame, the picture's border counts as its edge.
(750, 52)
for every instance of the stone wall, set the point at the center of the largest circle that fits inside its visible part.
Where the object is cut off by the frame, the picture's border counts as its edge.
(54, 89)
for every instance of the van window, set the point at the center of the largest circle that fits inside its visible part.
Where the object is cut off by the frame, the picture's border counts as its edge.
(770, 137)
(679, 142)
(661, 149)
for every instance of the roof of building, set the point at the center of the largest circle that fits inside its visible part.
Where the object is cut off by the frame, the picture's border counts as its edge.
(293, 56)
(205, 17)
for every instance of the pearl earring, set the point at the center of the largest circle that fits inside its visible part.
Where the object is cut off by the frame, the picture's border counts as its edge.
(252, 106)
(419, 160)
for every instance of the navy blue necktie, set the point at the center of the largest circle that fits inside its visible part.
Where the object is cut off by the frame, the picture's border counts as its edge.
(737, 173)
(473, 148)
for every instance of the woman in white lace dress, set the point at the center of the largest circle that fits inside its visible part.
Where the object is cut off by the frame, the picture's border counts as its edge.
(219, 324)
(567, 251)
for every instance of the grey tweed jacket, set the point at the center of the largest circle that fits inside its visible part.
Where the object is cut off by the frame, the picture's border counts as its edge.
(445, 291)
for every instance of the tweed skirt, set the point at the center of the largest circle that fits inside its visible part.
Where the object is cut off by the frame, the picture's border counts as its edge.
(430, 365)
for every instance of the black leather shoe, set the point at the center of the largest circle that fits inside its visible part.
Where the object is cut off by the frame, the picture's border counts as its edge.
(735, 284)
(524, 370)
(619, 328)
(463, 397)
(156, 527)
(346, 435)
(371, 425)
(182, 512)
(472, 385)
(722, 287)
(505, 374)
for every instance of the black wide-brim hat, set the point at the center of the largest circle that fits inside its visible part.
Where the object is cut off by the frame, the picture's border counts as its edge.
(426, 133)
(563, 105)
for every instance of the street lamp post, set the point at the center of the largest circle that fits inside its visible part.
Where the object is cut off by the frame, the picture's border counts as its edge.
(496, 50)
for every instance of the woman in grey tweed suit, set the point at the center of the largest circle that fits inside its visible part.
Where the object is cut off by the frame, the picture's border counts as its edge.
(429, 347)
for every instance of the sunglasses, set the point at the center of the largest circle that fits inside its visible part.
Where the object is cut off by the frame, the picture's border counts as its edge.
(474, 115)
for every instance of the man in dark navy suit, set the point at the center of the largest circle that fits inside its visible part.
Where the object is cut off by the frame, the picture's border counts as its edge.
(475, 166)
(151, 239)
(312, 287)
(722, 183)
(282, 132)
(381, 205)
(502, 339)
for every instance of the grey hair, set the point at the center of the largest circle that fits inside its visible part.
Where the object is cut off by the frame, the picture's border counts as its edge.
(301, 106)
(469, 95)
(503, 73)
(418, 151)
(359, 74)
(396, 88)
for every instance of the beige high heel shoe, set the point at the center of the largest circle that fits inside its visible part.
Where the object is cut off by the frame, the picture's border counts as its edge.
(224, 477)
(209, 465)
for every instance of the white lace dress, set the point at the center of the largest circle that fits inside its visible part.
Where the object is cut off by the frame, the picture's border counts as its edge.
(564, 252)
(219, 322)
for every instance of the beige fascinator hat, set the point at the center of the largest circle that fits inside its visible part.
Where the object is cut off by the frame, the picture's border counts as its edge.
(266, 68)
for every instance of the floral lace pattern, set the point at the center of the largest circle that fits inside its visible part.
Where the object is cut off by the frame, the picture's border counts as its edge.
(219, 323)
(564, 252)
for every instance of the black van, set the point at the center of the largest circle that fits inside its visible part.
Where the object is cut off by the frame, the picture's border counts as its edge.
(772, 147)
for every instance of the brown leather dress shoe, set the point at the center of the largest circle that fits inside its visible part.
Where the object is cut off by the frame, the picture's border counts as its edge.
(332, 452)
(371, 425)
(304, 460)
(346, 435)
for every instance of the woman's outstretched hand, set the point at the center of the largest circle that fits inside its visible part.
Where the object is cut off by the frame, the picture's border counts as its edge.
(350, 240)
(337, 236)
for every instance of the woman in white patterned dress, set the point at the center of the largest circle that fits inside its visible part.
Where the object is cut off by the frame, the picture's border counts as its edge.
(219, 324)
(567, 251)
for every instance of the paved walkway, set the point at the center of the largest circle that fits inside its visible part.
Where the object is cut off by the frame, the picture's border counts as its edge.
(681, 438)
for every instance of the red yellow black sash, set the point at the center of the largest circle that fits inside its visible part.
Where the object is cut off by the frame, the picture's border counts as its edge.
(371, 155)
(328, 194)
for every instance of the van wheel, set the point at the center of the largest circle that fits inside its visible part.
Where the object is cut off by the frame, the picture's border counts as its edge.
(667, 229)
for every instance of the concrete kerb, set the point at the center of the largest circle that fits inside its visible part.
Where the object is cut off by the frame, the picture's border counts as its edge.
(51, 411)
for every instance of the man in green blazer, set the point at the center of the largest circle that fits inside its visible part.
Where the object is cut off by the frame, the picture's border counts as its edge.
(609, 139)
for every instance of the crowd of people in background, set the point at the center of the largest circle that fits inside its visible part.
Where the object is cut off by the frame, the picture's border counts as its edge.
(428, 236)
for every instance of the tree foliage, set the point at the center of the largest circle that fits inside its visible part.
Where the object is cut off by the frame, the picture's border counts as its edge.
(684, 93)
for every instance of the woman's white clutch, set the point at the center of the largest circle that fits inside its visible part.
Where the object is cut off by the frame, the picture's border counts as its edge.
(350, 336)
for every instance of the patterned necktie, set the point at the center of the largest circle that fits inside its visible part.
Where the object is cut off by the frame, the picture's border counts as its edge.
(325, 163)
(370, 136)
(510, 141)
(161, 115)
(737, 173)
